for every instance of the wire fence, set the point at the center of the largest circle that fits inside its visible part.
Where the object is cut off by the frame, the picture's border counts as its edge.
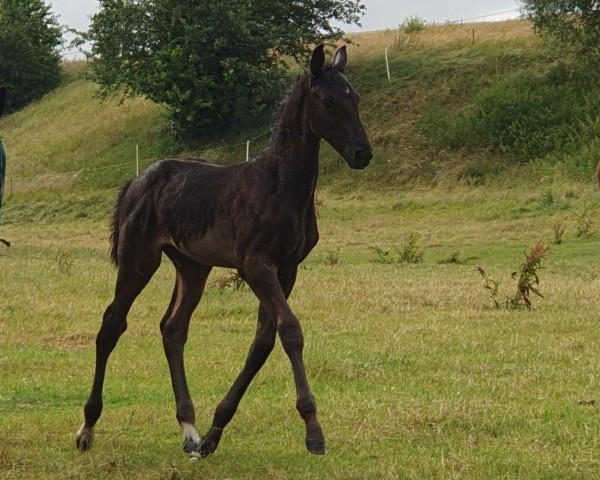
(130, 168)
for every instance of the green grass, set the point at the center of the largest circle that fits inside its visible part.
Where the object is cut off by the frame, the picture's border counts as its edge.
(415, 375)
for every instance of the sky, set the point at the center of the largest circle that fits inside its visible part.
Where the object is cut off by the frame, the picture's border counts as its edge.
(381, 14)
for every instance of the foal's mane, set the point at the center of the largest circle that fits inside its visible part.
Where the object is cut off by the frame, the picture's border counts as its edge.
(289, 110)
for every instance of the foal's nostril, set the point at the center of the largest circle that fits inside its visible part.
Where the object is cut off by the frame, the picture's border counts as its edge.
(358, 157)
(363, 155)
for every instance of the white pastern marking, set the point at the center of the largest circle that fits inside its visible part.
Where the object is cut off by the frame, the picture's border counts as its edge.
(189, 432)
(85, 434)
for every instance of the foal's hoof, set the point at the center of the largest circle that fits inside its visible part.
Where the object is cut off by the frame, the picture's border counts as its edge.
(315, 445)
(83, 444)
(200, 449)
(84, 439)
(189, 446)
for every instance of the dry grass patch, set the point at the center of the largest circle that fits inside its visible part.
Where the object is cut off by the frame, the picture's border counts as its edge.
(441, 35)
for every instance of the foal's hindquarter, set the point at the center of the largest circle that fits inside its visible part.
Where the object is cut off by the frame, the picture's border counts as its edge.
(257, 217)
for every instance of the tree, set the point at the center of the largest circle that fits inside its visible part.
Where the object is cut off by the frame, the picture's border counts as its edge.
(573, 24)
(211, 63)
(30, 41)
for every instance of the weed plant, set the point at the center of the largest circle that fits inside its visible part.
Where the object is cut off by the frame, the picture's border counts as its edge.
(408, 252)
(558, 230)
(584, 222)
(526, 278)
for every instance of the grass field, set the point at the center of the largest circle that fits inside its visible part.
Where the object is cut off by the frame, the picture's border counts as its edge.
(416, 374)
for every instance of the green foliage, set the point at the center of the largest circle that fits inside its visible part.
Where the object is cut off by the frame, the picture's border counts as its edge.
(64, 261)
(547, 199)
(492, 286)
(526, 116)
(383, 256)
(211, 63)
(571, 25)
(583, 221)
(333, 257)
(30, 38)
(410, 252)
(233, 281)
(476, 171)
(559, 230)
(453, 259)
(413, 24)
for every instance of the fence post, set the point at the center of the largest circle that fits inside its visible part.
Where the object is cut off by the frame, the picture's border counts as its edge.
(387, 65)
(247, 150)
(137, 160)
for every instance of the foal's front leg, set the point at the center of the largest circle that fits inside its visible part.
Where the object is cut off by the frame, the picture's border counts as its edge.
(260, 349)
(272, 289)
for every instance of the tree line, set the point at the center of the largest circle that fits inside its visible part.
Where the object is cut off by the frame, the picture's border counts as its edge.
(215, 64)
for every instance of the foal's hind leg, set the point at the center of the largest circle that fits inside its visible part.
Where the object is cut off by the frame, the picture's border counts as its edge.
(189, 285)
(135, 271)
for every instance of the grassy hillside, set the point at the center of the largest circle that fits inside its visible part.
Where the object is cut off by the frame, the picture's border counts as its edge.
(423, 123)
(69, 137)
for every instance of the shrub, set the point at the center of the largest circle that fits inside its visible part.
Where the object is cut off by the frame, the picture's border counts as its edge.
(413, 24)
(527, 116)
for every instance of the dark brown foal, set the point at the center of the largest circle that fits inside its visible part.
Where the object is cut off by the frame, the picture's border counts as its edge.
(258, 217)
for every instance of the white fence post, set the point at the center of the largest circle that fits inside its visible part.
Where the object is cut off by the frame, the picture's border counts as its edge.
(387, 65)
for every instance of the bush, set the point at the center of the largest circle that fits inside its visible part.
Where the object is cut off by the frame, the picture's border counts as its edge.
(527, 116)
(413, 24)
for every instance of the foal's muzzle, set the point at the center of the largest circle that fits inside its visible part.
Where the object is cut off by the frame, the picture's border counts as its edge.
(358, 156)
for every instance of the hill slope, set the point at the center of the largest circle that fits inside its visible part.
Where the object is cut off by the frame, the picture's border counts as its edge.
(71, 138)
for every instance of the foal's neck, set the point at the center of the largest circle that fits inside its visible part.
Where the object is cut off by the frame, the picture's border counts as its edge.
(295, 147)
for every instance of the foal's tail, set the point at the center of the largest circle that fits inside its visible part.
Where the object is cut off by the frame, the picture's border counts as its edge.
(116, 214)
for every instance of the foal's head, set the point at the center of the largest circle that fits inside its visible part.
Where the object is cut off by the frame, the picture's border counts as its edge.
(333, 108)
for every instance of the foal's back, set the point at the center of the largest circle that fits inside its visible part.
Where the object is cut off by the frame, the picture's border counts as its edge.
(213, 212)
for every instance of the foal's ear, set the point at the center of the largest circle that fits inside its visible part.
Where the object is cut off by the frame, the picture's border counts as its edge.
(317, 61)
(340, 59)
(2, 99)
